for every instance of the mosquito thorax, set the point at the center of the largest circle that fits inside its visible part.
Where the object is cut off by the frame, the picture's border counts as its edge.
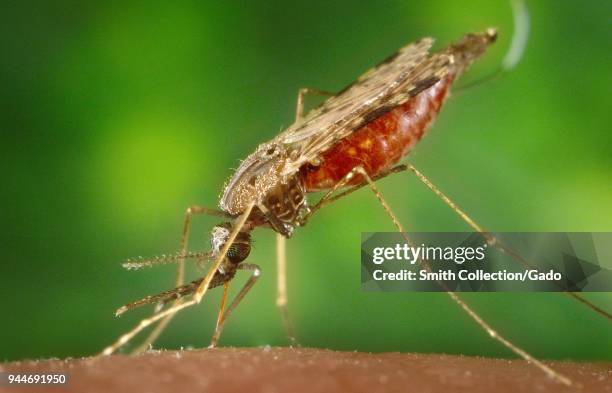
(240, 248)
(280, 200)
(256, 176)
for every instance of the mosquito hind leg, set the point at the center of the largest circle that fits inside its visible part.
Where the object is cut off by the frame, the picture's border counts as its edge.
(454, 296)
(491, 239)
(222, 318)
(180, 270)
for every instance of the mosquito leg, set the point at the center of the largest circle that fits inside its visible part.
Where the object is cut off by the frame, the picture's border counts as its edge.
(124, 339)
(197, 296)
(218, 327)
(281, 260)
(281, 272)
(329, 198)
(492, 240)
(299, 107)
(281, 275)
(281, 287)
(245, 289)
(180, 269)
(454, 296)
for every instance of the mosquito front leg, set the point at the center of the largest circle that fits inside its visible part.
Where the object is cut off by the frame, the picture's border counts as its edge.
(454, 296)
(197, 296)
(124, 339)
(180, 270)
(223, 316)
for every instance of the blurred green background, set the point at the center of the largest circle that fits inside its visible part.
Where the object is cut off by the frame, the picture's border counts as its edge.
(116, 116)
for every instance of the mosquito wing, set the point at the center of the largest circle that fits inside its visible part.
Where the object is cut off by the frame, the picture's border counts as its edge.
(391, 83)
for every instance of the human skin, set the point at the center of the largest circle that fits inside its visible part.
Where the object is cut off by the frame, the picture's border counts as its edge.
(309, 370)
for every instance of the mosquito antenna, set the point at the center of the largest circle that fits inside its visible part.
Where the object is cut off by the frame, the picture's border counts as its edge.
(517, 47)
(141, 262)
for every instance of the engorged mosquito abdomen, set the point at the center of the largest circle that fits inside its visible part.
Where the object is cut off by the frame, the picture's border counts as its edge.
(379, 144)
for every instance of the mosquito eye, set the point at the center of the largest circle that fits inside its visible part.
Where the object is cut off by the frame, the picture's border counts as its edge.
(238, 252)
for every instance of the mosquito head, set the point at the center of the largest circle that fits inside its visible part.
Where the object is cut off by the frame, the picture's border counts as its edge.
(240, 248)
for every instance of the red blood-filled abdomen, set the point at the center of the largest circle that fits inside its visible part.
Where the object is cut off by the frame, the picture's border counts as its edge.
(379, 144)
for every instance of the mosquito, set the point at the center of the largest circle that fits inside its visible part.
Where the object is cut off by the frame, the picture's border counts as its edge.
(354, 138)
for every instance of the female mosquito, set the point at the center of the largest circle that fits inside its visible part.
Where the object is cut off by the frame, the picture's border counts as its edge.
(351, 140)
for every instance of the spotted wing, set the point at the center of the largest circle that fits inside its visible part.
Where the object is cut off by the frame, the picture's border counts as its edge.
(392, 82)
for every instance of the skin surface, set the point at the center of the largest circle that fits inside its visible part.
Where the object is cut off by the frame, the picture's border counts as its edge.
(309, 370)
